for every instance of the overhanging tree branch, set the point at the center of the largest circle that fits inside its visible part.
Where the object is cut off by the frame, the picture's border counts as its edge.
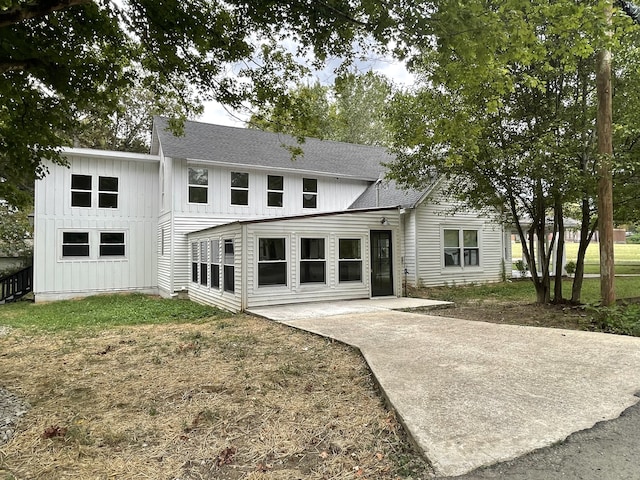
(25, 11)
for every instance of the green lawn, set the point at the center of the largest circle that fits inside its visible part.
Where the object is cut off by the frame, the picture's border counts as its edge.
(625, 254)
(102, 311)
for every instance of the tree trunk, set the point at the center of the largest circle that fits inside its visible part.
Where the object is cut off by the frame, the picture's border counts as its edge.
(586, 234)
(605, 183)
(557, 288)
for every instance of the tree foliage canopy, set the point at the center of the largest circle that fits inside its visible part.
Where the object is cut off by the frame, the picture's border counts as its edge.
(60, 59)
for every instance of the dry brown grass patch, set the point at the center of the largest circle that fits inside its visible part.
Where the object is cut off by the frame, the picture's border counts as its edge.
(234, 398)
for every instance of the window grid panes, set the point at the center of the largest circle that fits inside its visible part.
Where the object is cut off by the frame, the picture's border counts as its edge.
(198, 185)
(275, 190)
(108, 192)
(75, 244)
(312, 260)
(112, 244)
(309, 193)
(350, 260)
(272, 261)
(461, 248)
(81, 190)
(239, 188)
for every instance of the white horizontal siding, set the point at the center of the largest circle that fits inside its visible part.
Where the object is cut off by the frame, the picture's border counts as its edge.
(165, 283)
(431, 219)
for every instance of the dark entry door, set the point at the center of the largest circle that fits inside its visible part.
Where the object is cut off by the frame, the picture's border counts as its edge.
(381, 264)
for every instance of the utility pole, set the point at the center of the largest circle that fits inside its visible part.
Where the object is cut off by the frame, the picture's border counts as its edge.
(605, 156)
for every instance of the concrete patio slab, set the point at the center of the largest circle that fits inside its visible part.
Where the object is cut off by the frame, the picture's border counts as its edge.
(473, 393)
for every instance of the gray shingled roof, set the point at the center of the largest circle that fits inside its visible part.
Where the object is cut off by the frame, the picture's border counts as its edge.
(241, 146)
(388, 194)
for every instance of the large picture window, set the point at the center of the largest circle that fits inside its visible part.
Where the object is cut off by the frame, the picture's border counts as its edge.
(204, 262)
(75, 244)
(229, 266)
(461, 248)
(108, 192)
(239, 188)
(198, 185)
(215, 264)
(275, 190)
(350, 260)
(272, 261)
(112, 244)
(81, 190)
(309, 193)
(312, 260)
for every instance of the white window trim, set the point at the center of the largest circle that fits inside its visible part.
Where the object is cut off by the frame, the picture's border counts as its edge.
(189, 185)
(220, 263)
(94, 245)
(313, 285)
(310, 193)
(281, 192)
(287, 260)
(244, 189)
(108, 192)
(71, 190)
(363, 257)
(461, 229)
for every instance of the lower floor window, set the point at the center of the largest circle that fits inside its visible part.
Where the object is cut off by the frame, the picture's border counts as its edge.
(194, 261)
(75, 244)
(112, 244)
(229, 267)
(312, 260)
(350, 260)
(272, 261)
(204, 265)
(215, 264)
(461, 248)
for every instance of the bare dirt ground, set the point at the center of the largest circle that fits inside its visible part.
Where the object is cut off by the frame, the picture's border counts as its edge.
(240, 398)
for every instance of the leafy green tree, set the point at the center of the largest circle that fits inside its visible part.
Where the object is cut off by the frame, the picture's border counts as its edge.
(15, 232)
(506, 109)
(62, 58)
(352, 110)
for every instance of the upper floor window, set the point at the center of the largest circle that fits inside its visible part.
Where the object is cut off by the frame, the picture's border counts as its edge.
(198, 185)
(239, 188)
(75, 244)
(312, 260)
(349, 260)
(309, 193)
(461, 248)
(112, 244)
(272, 261)
(108, 192)
(81, 190)
(275, 190)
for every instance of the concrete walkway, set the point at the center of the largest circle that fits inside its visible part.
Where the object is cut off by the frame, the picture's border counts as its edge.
(474, 393)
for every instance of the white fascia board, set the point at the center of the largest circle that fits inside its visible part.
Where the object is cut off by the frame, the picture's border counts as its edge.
(109, 154)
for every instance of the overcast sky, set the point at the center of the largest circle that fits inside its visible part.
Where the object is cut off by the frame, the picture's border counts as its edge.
(216, 113)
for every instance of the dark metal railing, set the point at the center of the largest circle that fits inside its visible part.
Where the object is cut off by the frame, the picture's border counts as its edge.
(16, 285)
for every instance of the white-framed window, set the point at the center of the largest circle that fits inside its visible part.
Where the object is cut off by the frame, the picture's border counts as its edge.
(215, 264)
(349, 259)
(313, 264)
(204, 262)
(239, 188)
(272, 261)
(461, 248)
(81, 186)
(309, 193)
(198, 185)
(275, 190)
(75, 244)
(195, 251)
(107, 192)
(229, 279)
(112, 244)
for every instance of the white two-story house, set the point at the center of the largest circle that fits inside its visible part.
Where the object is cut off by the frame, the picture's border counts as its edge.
(229, 217)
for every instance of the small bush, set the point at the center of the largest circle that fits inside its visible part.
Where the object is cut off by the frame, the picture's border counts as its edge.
(635, 238)
(570, 267)
(620, 319)
(522, 267)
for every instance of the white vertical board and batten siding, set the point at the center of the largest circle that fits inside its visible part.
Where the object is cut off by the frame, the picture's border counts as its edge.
(136, 215)
(431, 219)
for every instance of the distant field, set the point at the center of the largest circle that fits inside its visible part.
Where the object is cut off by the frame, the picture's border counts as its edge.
(624, 254)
